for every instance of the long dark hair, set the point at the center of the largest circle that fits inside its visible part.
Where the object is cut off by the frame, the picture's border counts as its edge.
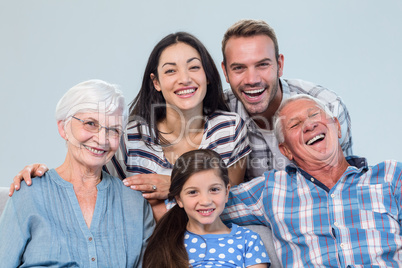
(149, 105)
(166, 245)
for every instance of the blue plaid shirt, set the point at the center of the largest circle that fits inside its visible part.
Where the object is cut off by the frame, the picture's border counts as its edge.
(354, 224)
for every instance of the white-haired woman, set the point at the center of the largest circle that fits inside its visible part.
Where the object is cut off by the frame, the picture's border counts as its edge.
(77, 215)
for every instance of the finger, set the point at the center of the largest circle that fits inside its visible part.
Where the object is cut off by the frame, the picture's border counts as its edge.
(144, 188)
(135, 180)
(26, 175)
(40, 169)
(153, 195)
(11, 190)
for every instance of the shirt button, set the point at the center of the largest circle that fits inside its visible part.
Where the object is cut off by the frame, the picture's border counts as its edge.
(93, 259)
(343, 245)
(90, 239)
(333, 195)
(312, 179)
(336, 223)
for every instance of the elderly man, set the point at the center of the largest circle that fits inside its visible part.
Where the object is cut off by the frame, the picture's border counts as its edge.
(253, 67)
(324, 210)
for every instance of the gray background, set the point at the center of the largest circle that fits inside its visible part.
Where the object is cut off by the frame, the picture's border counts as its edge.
(350, 46)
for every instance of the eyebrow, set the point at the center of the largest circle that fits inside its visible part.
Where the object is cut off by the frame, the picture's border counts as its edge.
(188, 61)
(258, 62)
(97, 121)
(296, 118)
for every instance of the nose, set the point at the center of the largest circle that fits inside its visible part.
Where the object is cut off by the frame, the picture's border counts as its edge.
(252, 77)
(103, 136)
(205, 199)
(309, 125)
(185, 77)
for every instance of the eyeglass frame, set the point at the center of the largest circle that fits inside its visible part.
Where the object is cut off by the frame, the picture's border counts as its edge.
(108, 129)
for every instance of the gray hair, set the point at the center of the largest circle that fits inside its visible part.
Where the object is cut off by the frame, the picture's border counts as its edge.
(91, 96)
(278, 127)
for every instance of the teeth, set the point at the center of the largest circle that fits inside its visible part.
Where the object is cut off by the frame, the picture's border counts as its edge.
(321, 136)
(255, 91)
(186, 91)
(206, 211)
(94, 150)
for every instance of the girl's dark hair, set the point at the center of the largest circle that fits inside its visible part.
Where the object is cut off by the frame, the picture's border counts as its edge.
(150, 106)
(166, 245)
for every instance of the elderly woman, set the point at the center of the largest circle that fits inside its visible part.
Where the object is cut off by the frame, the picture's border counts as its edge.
(77, 215)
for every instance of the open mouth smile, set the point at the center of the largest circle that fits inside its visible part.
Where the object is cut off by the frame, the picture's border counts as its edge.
(315, 139)
(187, 91)
(95, 151)
(206, 212)
(254, 93)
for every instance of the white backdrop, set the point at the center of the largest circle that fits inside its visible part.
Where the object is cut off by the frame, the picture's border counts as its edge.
(350, 46)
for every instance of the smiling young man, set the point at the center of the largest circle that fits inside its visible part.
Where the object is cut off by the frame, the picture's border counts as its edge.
(325, 210)
(253, 67)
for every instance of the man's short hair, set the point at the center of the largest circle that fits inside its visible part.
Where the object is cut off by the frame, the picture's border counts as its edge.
(248, 28)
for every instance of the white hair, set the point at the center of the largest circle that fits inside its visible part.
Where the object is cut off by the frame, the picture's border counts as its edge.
(278, 127)
(91, 96)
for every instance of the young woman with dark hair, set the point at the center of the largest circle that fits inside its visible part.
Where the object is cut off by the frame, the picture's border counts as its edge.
(191, 233)
(179, 108)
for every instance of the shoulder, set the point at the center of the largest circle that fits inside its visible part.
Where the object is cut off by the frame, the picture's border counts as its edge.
(224, 119)
(297, 86)
(117, 187)
(389, 168)
(231, 99)
(32, 198)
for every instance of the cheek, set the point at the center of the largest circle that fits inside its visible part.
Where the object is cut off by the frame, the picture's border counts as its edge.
(114, 145)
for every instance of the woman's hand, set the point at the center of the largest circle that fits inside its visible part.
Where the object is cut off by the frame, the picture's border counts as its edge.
(153, 186)
(26, 174)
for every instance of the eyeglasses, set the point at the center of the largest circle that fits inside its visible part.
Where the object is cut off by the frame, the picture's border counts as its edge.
(95, 127)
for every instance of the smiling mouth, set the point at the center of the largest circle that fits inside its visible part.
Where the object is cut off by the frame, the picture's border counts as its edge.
(185, 91)
(206, 211)
(94, 150)
(319, 137)
(254, 93)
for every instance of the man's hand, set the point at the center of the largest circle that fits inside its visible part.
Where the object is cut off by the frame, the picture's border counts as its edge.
(26, 174)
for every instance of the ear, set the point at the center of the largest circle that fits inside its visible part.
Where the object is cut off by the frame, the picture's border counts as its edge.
(285, 151)
(61, 127)
(339, 127)
(281, 62)
(227, 193)
(224, 72)
(155, 82)
(179, 202)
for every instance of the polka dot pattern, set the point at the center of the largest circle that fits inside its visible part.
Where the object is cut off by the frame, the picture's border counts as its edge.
(241, 248)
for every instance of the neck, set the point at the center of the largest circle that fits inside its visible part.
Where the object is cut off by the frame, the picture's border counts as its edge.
(183, 122)
(79, 175)
(328, 172)
(218, 227)
(265, 119)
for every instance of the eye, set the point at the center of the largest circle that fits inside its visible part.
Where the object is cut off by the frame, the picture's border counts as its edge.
(314, 114)
(237, 68)
(192, 192)
(195, 68)
(115, 131)
(215, 189)
(294, 125)
(263, 64)
(91, 124)
(169, 71)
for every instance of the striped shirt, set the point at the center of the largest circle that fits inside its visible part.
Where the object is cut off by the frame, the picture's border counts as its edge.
(262, 157)
(356, 223)
(224, 132)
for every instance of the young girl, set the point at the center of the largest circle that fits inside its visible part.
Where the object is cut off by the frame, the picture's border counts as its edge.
(191, 234)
